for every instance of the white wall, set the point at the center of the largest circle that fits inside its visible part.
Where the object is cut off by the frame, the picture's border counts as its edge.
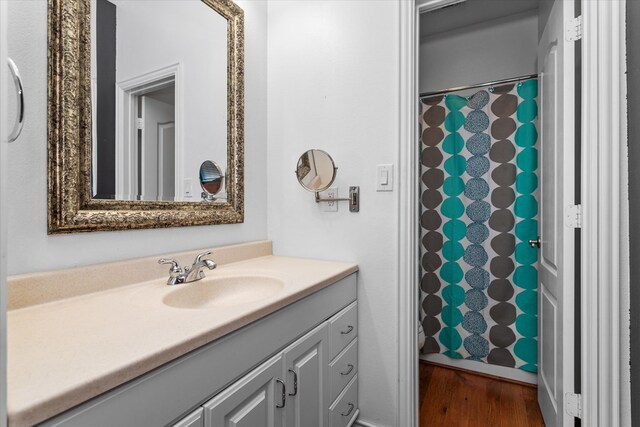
(333, 84)
(4, 130)
(193, 35)
(31, 249)
(491, 50)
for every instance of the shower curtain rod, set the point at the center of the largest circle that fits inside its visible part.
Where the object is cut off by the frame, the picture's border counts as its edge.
(497, 82)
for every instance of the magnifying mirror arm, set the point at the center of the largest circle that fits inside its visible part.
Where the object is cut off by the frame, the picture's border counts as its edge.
(353, 199)
(318, 199)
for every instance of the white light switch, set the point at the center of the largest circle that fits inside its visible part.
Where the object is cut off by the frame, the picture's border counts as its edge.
(385, 178)
(187, 187)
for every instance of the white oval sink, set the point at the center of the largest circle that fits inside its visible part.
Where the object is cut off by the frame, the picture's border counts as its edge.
(223, 291)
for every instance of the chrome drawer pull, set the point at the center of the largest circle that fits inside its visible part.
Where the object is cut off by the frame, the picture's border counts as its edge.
(349, 329)
(295, 383)
(350, 368)
(284, 394)
(346, 414)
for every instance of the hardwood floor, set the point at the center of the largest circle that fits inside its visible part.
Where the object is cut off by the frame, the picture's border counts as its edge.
(454, 398)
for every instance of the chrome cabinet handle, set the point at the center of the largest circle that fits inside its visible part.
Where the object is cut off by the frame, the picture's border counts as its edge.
(284, 393)
(351, 406)
(349, 369)
(535, 243)
(349, 329)
(295, 383)
(17, 80)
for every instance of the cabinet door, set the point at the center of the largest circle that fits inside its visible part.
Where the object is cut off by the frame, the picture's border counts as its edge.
(194, 419)
(306, 370)
(251, 401)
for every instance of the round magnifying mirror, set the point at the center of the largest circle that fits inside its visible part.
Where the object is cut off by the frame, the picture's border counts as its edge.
(211, 179)
(316, 170)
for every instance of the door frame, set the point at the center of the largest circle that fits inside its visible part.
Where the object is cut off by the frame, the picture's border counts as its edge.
(604, 254)
(408, 197)
(605, 250)
(127, 93)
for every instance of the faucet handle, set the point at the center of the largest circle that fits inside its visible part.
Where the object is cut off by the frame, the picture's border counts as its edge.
(175, 268)
(199, 257)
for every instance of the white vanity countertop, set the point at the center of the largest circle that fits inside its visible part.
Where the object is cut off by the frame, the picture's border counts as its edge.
(65, 352)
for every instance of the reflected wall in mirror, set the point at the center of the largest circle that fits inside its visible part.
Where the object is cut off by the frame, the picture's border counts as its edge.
(159, 97)
(140, 94)
(316, 170)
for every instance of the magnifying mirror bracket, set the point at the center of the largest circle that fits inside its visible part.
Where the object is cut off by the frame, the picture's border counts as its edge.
(354, 199)
(316, 171)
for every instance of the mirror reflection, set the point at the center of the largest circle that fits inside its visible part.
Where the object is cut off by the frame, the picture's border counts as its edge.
(316, 170)
(211, 180)
(159, 97)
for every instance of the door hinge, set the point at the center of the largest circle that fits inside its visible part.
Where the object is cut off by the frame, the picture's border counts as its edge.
(573, 404)
(574, 216)
(140, 124)
(573, 30)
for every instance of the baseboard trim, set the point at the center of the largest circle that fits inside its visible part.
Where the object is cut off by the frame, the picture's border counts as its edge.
(480, 374)
(493, 371)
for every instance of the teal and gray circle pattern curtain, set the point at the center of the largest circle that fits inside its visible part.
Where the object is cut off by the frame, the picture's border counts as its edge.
(479, 208)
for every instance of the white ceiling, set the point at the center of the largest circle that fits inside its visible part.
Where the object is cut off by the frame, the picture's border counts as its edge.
(471, 12)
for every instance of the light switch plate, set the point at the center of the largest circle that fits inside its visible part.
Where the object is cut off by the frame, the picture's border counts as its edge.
(187, 188)
(384, 178)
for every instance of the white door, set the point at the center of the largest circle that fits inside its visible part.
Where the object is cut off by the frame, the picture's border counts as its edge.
(167, 161)
(306, 366)
(156, 115)
(255, 400)
(557, 252)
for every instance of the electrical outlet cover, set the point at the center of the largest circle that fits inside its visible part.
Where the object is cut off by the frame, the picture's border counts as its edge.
(329, 193)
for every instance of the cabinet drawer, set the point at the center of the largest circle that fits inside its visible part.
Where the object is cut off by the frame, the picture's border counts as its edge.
(195, 419)
(343, 328)
(344, 409)
(343, 369)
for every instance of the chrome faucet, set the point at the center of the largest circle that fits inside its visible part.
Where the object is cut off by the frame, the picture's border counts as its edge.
(179, 275)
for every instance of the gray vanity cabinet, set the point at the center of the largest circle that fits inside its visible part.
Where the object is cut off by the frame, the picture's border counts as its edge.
(255, 400)
(308, 350)
(292, 385)
(311, 383)
(306, 362)
(195, 419)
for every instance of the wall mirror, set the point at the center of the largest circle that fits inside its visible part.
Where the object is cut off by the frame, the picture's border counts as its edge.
(136, 105)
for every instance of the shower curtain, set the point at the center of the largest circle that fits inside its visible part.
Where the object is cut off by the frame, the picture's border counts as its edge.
(479, 208)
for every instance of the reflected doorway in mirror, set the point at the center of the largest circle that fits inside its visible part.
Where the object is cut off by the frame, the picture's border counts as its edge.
(149, 142)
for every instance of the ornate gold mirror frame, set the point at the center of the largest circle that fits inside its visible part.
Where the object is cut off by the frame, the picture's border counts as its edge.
(71, 207)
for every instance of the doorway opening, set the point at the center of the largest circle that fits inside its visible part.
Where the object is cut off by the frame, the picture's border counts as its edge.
(155, 122)
(496, 172)
(147, 147)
